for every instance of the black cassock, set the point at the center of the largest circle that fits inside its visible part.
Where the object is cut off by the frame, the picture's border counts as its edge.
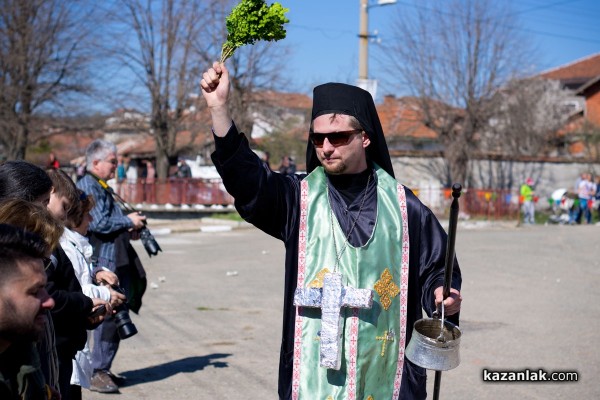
(271, 202)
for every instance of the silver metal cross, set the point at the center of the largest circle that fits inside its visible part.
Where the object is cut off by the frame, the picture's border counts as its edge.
(330, 299)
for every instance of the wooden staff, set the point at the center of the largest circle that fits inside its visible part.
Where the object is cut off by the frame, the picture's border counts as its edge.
(456, 189)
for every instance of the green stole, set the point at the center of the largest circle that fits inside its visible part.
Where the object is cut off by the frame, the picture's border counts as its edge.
(372, 339)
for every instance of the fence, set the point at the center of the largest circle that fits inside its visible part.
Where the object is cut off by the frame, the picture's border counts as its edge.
(175, 191)
(483, 203)
(492, 204)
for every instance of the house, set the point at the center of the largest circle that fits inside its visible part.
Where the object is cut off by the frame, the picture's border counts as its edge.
(405, 132)
(401, 120)
(279, 111)
(582, 131)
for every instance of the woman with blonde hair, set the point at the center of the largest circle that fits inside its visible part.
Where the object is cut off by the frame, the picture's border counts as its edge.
(32, 217)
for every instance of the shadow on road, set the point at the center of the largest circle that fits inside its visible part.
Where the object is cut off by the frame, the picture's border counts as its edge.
(163, 371)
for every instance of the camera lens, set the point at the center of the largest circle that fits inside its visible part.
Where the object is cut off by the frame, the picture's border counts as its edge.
(125, 328)
(150, 244)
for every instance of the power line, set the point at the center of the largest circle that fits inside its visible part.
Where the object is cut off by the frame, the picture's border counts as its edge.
(519, 28)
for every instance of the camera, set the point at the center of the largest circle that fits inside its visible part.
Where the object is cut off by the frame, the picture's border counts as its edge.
(150, 244)
(125, 328)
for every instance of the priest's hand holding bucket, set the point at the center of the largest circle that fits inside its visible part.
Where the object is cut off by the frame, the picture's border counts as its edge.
(452, 302)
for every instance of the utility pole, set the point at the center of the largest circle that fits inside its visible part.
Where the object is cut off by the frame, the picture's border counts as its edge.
(363, 45)
(363, 40)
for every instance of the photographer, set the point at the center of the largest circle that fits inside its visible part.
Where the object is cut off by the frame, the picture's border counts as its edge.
(110, 233)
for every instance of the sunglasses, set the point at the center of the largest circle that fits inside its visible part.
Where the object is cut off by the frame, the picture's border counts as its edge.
(335, 138)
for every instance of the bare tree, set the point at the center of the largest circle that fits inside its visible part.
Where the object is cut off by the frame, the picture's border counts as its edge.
(161, 56)
(252, 69)
(454, 56)
(524, 121)
(175, 41)
(527, 114)
(43, 58)
(256, 68)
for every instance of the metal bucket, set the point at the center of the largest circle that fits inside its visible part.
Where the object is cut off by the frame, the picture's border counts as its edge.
(425, 350)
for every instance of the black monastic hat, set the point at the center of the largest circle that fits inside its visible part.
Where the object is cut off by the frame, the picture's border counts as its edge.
(340, 98)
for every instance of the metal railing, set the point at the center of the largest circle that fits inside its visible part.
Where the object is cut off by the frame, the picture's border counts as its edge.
(492, 204)
(489, 204)
(175, 191)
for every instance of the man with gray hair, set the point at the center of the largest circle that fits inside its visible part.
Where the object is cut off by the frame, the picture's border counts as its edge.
(110, 233)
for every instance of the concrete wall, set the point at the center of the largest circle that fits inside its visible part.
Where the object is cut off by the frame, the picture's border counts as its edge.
(426, 174)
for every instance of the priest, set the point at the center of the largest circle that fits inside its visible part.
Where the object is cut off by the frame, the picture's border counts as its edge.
(364, 257)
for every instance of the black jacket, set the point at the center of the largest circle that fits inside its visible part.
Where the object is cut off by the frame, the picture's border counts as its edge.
(70, 314)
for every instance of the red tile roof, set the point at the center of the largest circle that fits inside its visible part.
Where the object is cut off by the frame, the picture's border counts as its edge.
(285, 100)
(145, 144)
(582, 69)
(401, 117)
(65, 145)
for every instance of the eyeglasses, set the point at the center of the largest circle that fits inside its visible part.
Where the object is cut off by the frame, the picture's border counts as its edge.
(335, 138)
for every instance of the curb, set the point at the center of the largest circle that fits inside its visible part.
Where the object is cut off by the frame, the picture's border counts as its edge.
(208, 225)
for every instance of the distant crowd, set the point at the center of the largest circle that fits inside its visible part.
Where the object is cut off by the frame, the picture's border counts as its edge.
(573, 206)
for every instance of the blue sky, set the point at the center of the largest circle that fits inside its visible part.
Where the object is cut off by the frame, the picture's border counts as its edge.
(324, 41)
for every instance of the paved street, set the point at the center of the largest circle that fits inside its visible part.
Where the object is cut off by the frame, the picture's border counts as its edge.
(210, 328)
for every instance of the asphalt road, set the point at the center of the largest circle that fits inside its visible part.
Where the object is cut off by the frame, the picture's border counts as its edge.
(210, 325)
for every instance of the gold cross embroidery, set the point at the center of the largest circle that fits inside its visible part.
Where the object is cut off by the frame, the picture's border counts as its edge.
(387, 336)
(386, 288)
(318, 281)
(370, 398)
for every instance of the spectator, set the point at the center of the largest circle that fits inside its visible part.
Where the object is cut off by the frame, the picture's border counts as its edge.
(80, 170)
(585, 192)
(110, 235)
(52, 161)
(71, 316)
(79, 251)
(23, 180)
(287, 166)
(132, 172)
(528, 203)
(149, 190)
(597, 194)
(183, 169)
(20, 180)
(121, 169)
(23, 305)
(35, 218)
(266, 158)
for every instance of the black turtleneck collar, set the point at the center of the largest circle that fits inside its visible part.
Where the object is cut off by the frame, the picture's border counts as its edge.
(351, 185)
(351, 200)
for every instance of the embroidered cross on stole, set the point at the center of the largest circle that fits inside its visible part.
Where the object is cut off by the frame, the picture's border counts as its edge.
(330, 299)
